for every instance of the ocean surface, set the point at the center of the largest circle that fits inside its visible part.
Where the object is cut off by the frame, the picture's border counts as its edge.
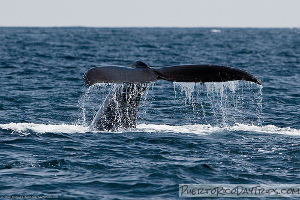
(214, 133)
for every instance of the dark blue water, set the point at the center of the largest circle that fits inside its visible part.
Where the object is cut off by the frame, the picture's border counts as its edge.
(235, 132)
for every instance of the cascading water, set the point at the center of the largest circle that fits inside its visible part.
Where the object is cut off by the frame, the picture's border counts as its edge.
(218, 104)
(91, 100)
(117, 110)
(224, 103)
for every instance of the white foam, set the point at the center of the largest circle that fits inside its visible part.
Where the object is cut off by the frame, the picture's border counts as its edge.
(201, 129)
(208, 129)
(196, 128)
(271, 129)
(44, 128)
(215, 31)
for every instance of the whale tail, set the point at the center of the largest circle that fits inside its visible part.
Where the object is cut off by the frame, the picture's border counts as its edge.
(139, 72)
(120, 107)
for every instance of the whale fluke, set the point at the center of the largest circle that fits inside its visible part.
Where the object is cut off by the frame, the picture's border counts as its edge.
(120, 107)
(139, 72)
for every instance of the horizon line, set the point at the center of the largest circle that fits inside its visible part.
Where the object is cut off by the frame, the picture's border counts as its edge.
(220, 27)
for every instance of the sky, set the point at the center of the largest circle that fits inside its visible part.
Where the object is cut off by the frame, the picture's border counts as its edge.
(151, 13)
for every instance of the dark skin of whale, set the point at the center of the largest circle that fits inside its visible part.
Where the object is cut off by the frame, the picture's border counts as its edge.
(139, 72)
(121, 106)
(204, 73)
